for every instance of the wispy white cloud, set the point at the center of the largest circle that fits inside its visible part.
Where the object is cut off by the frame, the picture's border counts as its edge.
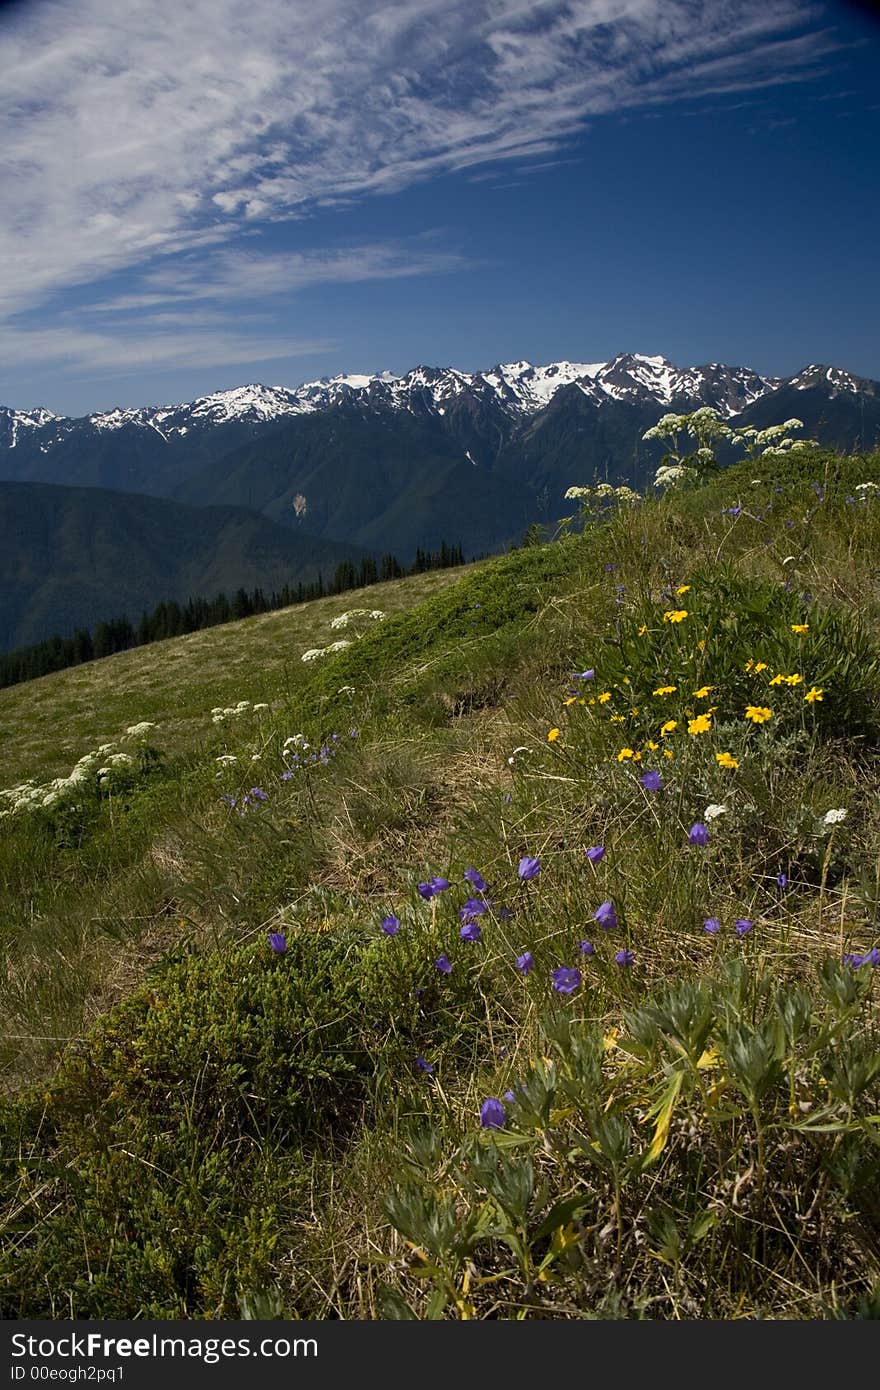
(208, 309)
(145, 135)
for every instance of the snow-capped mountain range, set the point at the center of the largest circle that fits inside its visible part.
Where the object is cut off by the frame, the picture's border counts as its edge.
(519, 388)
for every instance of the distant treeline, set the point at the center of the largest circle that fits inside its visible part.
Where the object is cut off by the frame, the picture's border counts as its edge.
(170, 619)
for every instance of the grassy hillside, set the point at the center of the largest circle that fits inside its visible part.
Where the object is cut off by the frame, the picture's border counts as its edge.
(540, 983)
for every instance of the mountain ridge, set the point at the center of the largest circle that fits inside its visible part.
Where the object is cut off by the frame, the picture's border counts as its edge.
(521, 386)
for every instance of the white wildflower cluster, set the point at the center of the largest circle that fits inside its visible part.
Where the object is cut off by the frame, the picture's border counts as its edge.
(603, 493)
(353, 614)
(670, 475)
(314, 652)
(219, 715)
(100, 770)
(834, 817)
(713, 811)
(775, 442)
(865, 488)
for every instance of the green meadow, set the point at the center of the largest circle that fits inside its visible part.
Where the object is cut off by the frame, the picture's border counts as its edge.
(517, 960)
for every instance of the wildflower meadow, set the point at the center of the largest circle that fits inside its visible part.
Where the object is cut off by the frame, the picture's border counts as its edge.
(512, 956)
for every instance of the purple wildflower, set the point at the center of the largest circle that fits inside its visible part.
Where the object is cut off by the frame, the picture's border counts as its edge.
(473, 907)
(471, 931)
(651, 781)
(606, 916)
(712, 926)
(565, 980)
(509, 1097)
(492, 1114)
(425, 1066)
(525, 962)
(504, 914)
(595, 853)
(586, 948)
(433, 887)
(698, 834)
(624, 957)
(390, 925)
(258, 794)
(588, 675)
(529, 868)
(444, 964)
(782, 880)
(742, 926)
(474, 877)
(278, 942)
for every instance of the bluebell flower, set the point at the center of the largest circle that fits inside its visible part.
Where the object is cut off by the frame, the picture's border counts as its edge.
(525, 962)
(606, 916)
(565, 979)
(492, 1114)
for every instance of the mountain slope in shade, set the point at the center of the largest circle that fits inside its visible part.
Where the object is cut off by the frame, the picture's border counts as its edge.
(74, 556)
(385, 481)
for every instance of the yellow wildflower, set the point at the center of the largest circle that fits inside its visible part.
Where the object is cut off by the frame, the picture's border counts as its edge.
(703, 692)
(683, 589)
(665, 689)
(815, 694)
(635, 710)
(759, 714)
(726, 760)
(750, 665)
(553, 736)
(794, 679)
(637, 757)
(604, 697)
(701, 646)
(675, 615)
(652, 746)
(591, 701)
(617, 719)
(572, 699)
(643, 629)
(800, 627)
(668, 753)
(624, 754)
(668, 727)
(760, 666)
(701, 725)
(777, 679)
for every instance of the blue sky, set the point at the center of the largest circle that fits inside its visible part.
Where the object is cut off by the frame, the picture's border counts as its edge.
(204, 195)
